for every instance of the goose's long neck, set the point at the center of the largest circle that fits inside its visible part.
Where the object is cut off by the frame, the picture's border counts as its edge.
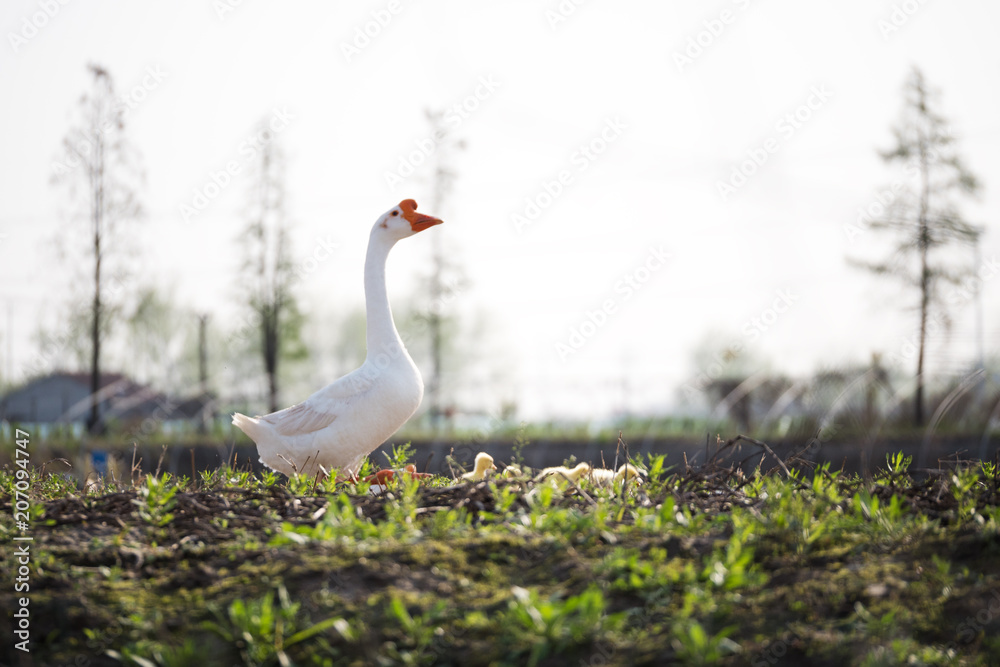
(381, 335)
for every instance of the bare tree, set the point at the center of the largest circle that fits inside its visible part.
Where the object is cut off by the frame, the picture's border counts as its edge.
(922, 214)
(445, 274)
(203, 353)
(203, 392)
(155, 337)
(101, 171)
(350, 347)
(268, 269)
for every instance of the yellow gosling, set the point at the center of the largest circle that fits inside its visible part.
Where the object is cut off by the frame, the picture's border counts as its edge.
(557, 472)
(513, 471)
(484, 463)
(605, 477)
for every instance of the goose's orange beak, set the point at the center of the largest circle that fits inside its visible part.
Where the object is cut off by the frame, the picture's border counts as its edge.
(418, 221)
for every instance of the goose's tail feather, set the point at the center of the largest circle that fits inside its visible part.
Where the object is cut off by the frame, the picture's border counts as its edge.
(249, 425)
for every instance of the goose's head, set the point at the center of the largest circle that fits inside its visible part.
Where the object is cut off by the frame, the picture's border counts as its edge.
(403, 220)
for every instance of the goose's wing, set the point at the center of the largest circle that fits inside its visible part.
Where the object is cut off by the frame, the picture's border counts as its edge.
(322, 408)
(300, 419)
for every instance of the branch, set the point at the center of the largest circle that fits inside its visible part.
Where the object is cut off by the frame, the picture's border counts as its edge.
(762, 445)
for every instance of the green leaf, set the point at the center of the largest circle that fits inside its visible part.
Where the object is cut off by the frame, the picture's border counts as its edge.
(315, 629)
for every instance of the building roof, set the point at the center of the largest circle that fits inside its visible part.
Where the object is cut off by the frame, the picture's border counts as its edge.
(64, 397)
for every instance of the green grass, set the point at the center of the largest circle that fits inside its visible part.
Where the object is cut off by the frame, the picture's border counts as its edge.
(699, 566)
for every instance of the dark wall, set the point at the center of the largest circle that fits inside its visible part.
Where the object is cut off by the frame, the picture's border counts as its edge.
(432, 455)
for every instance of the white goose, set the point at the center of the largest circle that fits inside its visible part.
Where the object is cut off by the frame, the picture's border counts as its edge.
(339, 425)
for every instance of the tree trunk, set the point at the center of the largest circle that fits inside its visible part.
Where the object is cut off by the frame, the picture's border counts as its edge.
(272, 388)
(97, 179)
(203, 354)
(203, 372)
(871, 407)
(918, 408)
(94, 420)
(271, 341)
(436, 409)
(925, 280)
(435, 319)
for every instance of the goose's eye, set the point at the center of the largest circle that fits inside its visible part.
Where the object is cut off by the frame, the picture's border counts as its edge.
(395, 213)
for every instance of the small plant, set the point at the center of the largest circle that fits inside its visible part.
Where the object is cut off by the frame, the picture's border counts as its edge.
(209, 478)
(505, 497)
(146, 653)
(733, 568)
(418, 631)
(899, 463)
(755, 486)
(551, 625)
(402, 511)
(825, 485)
(520, 440)
(895, 472)
(695, 646)
(651, 575)
(449, 523)
(261, 630)
(300, 485)
(244, 479)
(963, 481)
(156, 499)
(340, 522)
(401, 455)
(656, 468)
(268, 478)
(542, 500)
(879, 628)
(367, 468)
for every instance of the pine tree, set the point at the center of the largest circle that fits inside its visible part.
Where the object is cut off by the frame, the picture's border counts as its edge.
(922, 213)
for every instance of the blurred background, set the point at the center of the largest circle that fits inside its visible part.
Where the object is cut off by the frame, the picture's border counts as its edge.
(670, 219)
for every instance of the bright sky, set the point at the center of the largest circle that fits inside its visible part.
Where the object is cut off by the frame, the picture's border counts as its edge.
(816, 84)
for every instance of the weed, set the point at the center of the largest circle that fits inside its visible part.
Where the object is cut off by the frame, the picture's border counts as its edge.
(695, 646)
(542, 627)
(418, 632)
(261, 630)
(156, 499)
(513, 572)
(401, 455)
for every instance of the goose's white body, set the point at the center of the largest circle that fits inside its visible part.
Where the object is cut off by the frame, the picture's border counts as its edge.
(339, 425)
